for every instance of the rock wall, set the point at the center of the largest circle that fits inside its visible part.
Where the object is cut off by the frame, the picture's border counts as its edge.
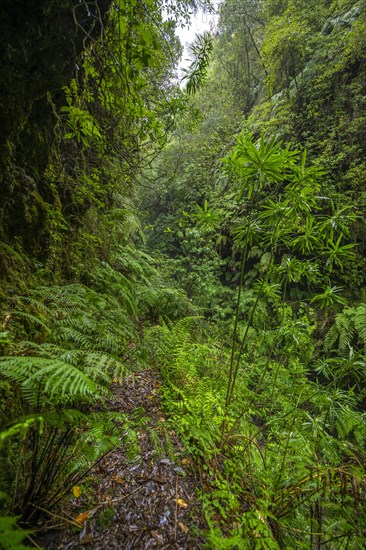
(40, 44)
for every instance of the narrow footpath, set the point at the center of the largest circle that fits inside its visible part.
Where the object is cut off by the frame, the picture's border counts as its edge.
(148, 502)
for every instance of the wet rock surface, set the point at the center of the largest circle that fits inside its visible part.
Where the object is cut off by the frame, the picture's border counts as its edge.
(148, 501)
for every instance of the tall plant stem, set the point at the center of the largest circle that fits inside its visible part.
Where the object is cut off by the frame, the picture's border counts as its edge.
(231, 381)
(286, 450)
(244, 339)
(235, 330)
(233, 372)
(247, 406)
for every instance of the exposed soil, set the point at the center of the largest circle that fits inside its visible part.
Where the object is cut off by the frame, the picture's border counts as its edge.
(147, 502)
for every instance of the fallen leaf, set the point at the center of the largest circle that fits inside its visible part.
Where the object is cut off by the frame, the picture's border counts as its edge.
(118, 479)
(87, 539)
(76, 491)
(157, 536)
(81, 518)
(159, 479)
(183, 526)
(181, 503)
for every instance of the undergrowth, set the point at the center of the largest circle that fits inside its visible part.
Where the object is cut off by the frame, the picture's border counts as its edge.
(268, 398)
(275, 419)
(62, 345)
(289, 470)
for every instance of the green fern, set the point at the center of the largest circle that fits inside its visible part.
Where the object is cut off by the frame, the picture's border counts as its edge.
(56, 380)
(118, 285)
(33, 319)
(360, 322)
(342, 331)
(74, 338)
(349, 329)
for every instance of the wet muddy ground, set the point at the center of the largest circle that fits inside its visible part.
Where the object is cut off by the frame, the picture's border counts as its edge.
(149, 501)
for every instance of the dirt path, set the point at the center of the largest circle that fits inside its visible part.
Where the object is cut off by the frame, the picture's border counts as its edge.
(149, 502)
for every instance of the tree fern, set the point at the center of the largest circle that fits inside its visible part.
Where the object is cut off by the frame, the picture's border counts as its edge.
(74, 339)
(69, 445)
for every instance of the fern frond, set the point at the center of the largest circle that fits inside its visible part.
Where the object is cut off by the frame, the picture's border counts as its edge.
(103, 434)
(345, 329)
(118, 285)
(65, 298)
(55, 379)
(331, 338)
(342, 330)
(135, 263)
(81, 324)
(63, 418)
(71, 335)
(32, 318)
(34, 303)
(360, 322)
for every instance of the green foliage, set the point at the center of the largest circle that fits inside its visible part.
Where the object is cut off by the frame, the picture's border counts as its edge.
(81, 125)
(268, 396)
(288, 445)
(279, 448)
(56, 380)
(329, 298)
(196, 73)
(192, 393)
(11, 536)
(65, 343)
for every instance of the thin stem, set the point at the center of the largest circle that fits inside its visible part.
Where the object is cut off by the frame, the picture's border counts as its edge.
(231, 379)
(236, 326)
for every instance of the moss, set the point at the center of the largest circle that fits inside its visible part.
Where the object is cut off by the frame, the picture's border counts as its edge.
(40, 41)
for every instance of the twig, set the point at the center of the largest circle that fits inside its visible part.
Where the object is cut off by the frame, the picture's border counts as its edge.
(33, 542)
(56, 516)
(52, 527)
(117, 499)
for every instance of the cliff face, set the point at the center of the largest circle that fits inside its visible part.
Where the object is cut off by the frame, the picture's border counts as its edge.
(40, 43)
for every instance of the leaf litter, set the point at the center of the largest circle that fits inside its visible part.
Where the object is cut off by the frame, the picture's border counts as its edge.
(146, 502)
